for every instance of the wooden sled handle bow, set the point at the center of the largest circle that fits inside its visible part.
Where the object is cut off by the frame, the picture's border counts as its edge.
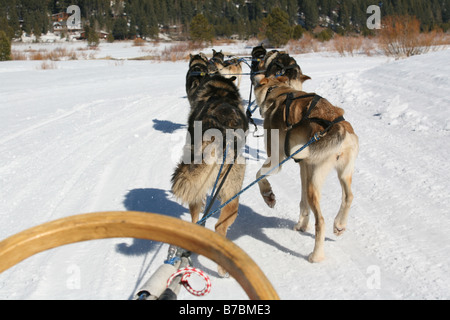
(140, 225)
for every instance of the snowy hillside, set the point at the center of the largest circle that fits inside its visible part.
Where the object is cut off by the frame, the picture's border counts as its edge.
(99, 135)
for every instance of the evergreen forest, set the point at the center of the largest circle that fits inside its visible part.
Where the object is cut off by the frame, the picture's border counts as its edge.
(241, 19)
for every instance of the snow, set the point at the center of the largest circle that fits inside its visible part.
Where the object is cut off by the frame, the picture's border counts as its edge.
(97, 135)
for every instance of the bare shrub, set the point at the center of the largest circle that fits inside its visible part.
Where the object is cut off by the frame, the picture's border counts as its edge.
(179, 51)
(347, 45)
(82, 55)
(338, 44)
(18, 55)
(92, 56)
(434, 39)
(56, 54)
(63, 54)
(48, 65)
(139, 42)
(308, 43)
(368, 46)
(442, 39)
(400, 37)
(38, 55)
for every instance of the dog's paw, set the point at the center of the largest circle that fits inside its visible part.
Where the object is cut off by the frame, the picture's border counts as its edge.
(338, 230)
(302, 224)
(269, 198)
(301, 227)
(316, 257)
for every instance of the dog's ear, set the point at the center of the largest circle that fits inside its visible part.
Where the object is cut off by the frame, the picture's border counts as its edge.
(233, 78)
(214, 51)
(303, 78)
(283, 79)
(264, 81)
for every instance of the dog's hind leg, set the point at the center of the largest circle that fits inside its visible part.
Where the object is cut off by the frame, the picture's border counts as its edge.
(303, 220)
(264, 185)
(227, 217)
(316, 174)
(340, 222)
(228, 214)
(345, 168)
(274, 157)
(194, 209)
(239, 76)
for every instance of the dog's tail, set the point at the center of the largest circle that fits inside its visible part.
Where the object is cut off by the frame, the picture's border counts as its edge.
(191, 182)
(195, 175)
(332, 142)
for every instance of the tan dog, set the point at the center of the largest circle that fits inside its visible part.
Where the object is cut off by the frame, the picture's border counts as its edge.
(274, 64)
(228, 68)
(337, 149)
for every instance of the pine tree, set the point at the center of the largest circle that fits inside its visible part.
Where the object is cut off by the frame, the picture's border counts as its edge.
(292, 10)
(436, 9)
(311, 14)
(344, 15)
(120, 29)
(278, 30)
(298, 32)
(201, 29)
(13, 18)
(5, 47)
(91, 36)
(4, 25)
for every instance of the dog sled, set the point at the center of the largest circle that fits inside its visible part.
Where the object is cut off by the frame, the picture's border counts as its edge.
(104, 225)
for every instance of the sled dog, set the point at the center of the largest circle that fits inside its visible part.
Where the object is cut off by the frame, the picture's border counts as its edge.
(199, 67)
(298, 116)
(276, 63)
(227, 68)
(257, 66)
(217, 107)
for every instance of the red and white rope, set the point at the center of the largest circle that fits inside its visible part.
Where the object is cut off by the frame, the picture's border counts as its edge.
(187, 272)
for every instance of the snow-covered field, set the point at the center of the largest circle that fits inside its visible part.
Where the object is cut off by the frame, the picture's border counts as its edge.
(98, 135)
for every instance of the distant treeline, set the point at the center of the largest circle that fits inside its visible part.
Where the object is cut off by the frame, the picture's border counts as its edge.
(241, 18)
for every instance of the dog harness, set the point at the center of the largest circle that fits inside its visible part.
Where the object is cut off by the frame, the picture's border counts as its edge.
(282, 68)
(198, 69)
(322, 122)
